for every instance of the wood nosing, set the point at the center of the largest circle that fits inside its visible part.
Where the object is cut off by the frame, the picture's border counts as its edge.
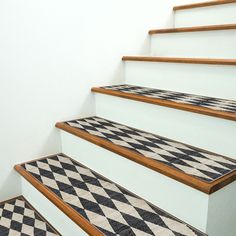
(57, 201)
(194, 29)
(208, 61)
(203, 4)
(170, 104)
(168, 171)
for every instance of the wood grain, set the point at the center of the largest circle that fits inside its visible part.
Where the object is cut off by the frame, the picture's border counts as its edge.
(203, 4)
(208, 61)
(194, 29)
(184, 178)
(171, 104)
(69, 211)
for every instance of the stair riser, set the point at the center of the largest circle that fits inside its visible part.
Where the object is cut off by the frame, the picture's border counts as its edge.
(126, 173)
(212, 15)
(187, 127)
(170, 195)
(209, 80)
(50, 211)
(203, 44)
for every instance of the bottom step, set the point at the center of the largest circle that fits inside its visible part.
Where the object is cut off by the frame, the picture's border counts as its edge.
(96, 204)
(18, 217)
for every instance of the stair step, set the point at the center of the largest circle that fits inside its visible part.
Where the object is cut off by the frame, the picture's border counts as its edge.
(217, 107)
(193, 29)
(18, 217)
(194, 167)
(205, 13)
(207, 61)
(96, 204)
(203, 4)
(194, 42)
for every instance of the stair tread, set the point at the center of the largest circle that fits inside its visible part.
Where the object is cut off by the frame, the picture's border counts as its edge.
(203, 4)
(218, 107)
(18, 217)
(195, 167)
(106, 206)
(194, 29)
(207, 61)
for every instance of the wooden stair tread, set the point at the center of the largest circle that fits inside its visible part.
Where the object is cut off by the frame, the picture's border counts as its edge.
(192, 166)
(99, 206)
(193, 29)
(203, 4)
(216, 107)
(18, 217)
(209, 61)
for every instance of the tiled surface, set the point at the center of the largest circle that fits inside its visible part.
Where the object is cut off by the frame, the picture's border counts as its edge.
(110, 208)
(18, 218)
(183, 98)
(193, 161)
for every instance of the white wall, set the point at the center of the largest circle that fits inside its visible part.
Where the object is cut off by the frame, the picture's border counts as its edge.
(51, 53)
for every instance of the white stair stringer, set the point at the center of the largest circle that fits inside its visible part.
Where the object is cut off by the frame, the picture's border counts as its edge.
(208, 80)
(211, 15)
(201, 44)
(172, 196)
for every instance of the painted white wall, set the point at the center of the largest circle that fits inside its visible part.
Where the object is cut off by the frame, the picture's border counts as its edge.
(51, 53)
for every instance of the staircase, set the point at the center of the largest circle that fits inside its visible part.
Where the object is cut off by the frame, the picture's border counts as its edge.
(158, 158)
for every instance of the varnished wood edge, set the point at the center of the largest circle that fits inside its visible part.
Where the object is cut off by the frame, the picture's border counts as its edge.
(193, 29)
(184, 178)
(171, 104)
(203, 4)
(69, 211)
(230, 62)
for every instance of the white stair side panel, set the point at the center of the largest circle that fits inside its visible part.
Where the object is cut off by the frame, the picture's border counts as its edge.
(222, 211)
(212, 15)
(51, 213)
(209, 80)
(172, 196)
(210, 133)
(202, 44)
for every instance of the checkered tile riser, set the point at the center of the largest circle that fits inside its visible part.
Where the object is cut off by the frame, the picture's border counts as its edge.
(109, 207)
(201, 164)
(18, 218)
(184, 98)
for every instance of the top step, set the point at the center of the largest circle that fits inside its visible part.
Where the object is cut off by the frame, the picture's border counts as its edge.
(205, 13)
(203, 4)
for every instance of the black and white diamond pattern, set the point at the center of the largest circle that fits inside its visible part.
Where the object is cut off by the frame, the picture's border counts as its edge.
(110, 208)
(193, 161)
(18, 218)
(189, 99)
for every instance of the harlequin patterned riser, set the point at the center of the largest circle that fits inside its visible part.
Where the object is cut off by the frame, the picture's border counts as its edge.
(18, 218)
(201, 164)
(109, 207)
